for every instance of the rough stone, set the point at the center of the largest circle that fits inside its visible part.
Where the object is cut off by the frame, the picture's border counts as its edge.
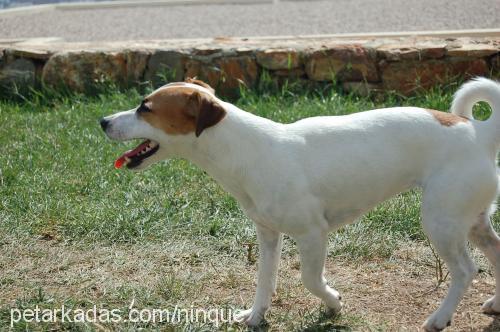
(279, 59)
(244, 51)
(398, 52)
(363, 89)
(472, 50)
(495, 66)
(294, 73)
(225, 75)
(206, 50)
(84, 71)
(165, 66)
(204, 70)
(434, 51)
(343, 62)
(17, 76)
(29, 53)
(137, 62)
(411, 76)
(226, 63)
(412, 51)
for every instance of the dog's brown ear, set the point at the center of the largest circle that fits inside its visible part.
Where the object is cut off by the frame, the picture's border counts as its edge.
(200, 83)
(206, 111)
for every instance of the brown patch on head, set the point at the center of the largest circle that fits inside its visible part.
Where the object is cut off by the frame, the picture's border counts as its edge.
(200, 83)
(447, 119)
(180, 110)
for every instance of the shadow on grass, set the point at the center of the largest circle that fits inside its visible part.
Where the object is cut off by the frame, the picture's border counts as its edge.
(494, 325)
(323, 322)
(326, 323)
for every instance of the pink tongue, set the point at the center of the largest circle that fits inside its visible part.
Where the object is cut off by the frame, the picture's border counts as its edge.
(121, 160)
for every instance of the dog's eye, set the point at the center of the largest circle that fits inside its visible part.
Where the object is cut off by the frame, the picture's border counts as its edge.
(143, 108)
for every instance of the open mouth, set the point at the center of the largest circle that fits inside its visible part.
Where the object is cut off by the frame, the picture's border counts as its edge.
(135, 157)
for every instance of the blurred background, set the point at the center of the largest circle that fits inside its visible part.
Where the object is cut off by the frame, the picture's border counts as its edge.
(17, 3)
(144, 20)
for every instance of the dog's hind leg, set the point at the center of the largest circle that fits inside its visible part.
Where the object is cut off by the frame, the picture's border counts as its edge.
(312, 249)
(270, 249)
(483, 236)
(447, 231)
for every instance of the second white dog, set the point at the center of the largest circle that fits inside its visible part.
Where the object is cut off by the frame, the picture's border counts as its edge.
(311, 177)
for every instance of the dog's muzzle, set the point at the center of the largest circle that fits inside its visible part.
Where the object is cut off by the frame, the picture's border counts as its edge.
(133, 158)
(104, 123)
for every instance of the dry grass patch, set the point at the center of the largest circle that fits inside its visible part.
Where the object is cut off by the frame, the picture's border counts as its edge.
(379, 294)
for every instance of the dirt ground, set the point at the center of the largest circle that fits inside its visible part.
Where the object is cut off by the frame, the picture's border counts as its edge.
(393, 294)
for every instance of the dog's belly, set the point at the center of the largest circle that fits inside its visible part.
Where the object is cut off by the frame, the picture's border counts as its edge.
(296, 209)
(339, 212)
(347, 193)
(338, 218)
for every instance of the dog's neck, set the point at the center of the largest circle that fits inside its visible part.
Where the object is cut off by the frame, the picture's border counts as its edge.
(235, 147)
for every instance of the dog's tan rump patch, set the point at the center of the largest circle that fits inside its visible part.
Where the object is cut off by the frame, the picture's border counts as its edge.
(447, 119)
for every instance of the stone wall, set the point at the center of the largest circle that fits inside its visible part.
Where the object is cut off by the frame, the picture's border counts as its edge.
(405, 65)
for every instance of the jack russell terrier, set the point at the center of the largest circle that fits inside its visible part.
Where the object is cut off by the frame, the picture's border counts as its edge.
(309, 178)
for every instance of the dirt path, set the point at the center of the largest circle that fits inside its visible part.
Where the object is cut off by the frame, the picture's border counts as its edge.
(390, 294)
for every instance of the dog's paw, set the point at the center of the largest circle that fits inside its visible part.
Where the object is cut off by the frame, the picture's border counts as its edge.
(491, 307)
(331, 312)
(333, 304)
(250, 317)
(436, 323)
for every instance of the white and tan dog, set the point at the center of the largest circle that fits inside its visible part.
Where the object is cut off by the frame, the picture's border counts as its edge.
(313, 176)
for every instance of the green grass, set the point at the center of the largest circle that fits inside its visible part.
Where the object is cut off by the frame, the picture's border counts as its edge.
(57, 183)
(57, 179)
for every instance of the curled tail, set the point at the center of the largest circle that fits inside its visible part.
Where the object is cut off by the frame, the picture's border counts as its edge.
(480, 89)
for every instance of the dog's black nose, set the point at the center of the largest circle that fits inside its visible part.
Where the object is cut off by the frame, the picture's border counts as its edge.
(104, 123)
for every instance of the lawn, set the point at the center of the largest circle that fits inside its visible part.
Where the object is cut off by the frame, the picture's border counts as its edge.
(75, 231)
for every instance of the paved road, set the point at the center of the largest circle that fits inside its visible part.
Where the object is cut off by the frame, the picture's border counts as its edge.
(283, 18)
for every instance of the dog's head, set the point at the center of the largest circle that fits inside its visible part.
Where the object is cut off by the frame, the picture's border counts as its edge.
(167, 120)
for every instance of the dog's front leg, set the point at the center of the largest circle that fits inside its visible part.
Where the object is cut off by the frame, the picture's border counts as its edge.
(270, 250)
(312, 249)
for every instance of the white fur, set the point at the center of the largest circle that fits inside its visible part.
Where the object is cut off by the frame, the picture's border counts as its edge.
(311, 177)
